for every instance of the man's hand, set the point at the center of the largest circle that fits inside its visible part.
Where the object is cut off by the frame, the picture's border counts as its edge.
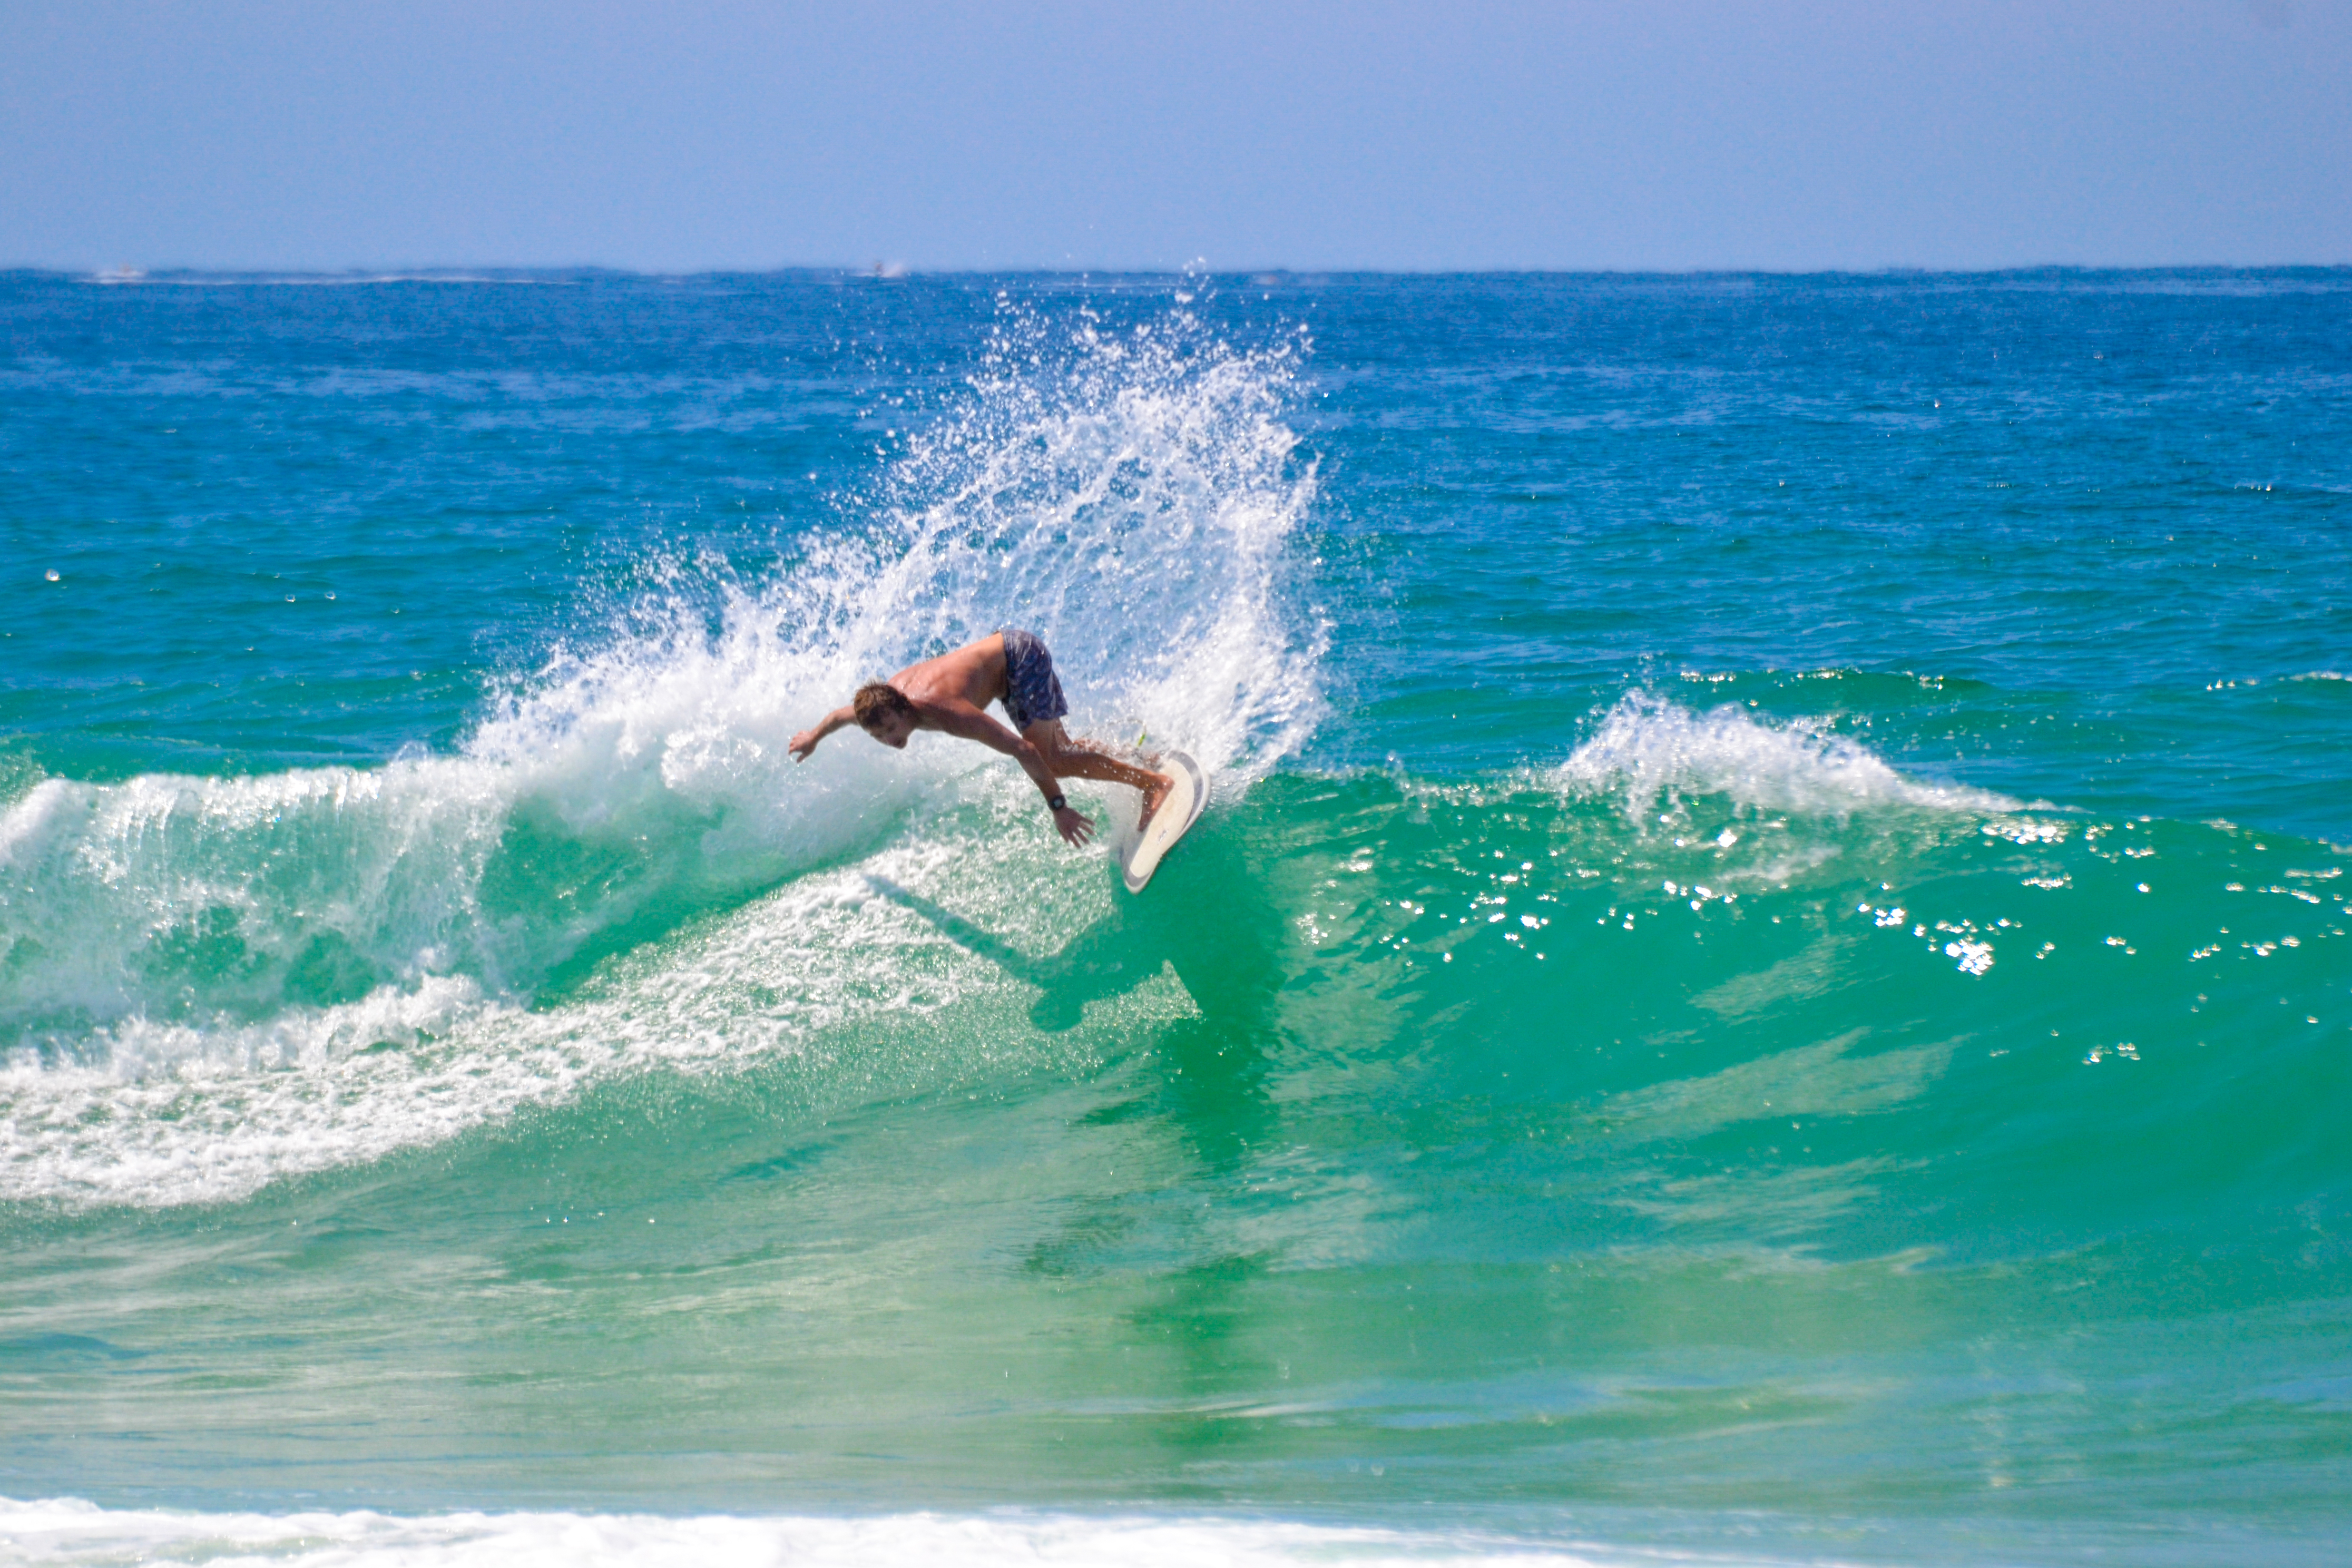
(1075, 827)
(805, 742)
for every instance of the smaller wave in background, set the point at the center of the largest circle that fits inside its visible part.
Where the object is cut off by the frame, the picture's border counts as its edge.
(1652, 754)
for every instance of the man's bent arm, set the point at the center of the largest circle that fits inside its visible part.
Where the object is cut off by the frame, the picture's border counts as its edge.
(957, 717)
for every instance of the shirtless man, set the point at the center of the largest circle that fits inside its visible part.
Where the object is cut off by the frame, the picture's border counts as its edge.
(947, 693)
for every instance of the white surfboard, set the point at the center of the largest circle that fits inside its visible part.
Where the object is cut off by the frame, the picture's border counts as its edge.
(1175, 816)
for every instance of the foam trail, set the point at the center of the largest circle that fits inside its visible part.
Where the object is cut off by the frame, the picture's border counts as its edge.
(1651, 753)
(174, 945)
(65, 1532)
(170, 1114)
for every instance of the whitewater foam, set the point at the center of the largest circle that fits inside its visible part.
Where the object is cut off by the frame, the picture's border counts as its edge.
(71, 1532)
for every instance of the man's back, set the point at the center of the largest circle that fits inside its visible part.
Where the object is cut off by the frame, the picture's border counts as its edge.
(974, 672)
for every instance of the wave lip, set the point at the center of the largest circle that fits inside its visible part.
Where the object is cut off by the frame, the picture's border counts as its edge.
(1648, 750)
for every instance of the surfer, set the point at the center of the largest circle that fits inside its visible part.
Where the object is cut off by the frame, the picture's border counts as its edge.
(948, 693)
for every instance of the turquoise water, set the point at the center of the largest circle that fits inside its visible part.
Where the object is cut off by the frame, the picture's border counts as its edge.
(1767, 973)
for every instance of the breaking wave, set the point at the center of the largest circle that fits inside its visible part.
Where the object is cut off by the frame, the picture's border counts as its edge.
(212, 982)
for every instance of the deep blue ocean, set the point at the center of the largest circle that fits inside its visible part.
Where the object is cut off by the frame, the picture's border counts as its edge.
(1766, 978)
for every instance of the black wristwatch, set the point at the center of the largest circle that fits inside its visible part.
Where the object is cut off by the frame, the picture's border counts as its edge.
(1057, 803)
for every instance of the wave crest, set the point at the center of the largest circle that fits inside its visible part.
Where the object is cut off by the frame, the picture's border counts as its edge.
(1651, 753)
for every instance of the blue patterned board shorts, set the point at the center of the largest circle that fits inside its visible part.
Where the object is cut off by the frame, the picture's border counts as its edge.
(1032, 692)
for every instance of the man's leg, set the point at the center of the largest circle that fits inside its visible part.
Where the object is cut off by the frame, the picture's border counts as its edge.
(1072, 759)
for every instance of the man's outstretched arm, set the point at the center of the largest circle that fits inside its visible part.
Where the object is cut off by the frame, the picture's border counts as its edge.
(806, 742)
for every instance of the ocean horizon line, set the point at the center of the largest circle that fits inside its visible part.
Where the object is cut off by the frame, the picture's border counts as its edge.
(892, 271)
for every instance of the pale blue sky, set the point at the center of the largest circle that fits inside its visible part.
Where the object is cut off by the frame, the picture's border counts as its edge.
(712, 133)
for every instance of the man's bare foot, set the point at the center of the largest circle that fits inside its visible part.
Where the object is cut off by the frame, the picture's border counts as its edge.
(1162, 784)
